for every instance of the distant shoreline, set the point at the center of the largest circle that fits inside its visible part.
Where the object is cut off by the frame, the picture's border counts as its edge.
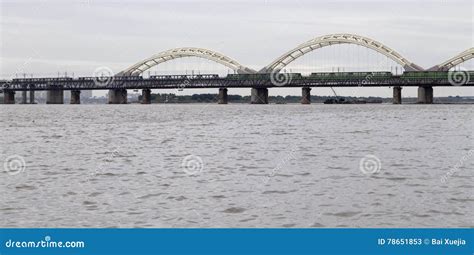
(171, 98)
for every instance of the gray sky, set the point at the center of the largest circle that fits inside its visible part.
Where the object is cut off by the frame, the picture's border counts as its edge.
(44, 37)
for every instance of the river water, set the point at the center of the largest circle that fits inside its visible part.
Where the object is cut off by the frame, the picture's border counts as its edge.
(208, 165)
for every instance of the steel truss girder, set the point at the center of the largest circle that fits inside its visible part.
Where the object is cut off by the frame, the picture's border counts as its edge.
(218, 83)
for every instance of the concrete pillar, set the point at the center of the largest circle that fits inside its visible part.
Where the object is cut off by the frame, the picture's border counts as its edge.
(397, 95)
(8, 97)
(24, 98)
(117, 96)
(259, 96)
(306, 95)
(55, 96)
(222, 96)
(146, 96)
(32, 96)
(425, 95)
(75, 97)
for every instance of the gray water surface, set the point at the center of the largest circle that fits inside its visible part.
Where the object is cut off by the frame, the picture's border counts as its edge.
(201, 165)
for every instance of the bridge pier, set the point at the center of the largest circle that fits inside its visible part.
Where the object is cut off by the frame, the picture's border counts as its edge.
(24, 97)
(306, 95)
(75, 97)
(259, 96)
(8, 97)
(117, 96)
(55, 96)
(32, 96)
(397, 95)
(222, 99)
(146, 96)
(425, 95)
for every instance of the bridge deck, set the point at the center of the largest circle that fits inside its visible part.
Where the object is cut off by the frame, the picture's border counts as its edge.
(231, 81)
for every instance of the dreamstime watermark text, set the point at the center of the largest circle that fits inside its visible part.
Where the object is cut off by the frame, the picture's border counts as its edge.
(45, 243)
(290, 156)
(457, 166)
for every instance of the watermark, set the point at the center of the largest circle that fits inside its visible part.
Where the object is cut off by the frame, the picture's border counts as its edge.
(290, 156)
(366, 79)
(458, 77)
(100, 168)
(21, 69)
(184, 84)
(456, 167)
(280, 79)
(109, 171)
(14, 164)
(192, 164)
(370, 164)
(103, 76)
(46, 243)
(86, 3)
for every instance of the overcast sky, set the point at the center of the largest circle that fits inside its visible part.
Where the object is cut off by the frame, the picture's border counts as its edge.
(44, 37)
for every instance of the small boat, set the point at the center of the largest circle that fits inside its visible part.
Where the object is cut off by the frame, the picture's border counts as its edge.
(343, 101)
(335, 101)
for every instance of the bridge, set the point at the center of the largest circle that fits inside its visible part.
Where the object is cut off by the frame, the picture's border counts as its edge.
(244, 77)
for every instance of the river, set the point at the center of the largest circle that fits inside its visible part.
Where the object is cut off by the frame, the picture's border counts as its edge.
(208, 165)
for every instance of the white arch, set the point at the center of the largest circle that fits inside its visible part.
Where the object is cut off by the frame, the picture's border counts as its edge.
(454, 61)
(328, 40)
(168, 55)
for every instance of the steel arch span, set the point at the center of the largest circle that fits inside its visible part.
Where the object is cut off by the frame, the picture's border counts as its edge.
(454, 61)
(171, 54)
(327, 40)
